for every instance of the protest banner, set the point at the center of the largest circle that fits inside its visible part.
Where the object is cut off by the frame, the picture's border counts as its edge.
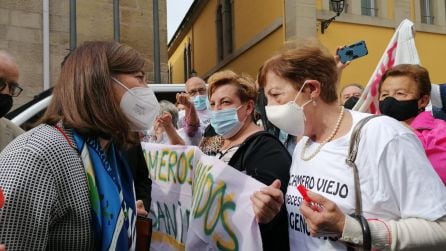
(400, 50)
(199, 202)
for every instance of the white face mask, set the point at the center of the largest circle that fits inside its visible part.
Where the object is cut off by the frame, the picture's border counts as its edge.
(288, 117)
(140, 106)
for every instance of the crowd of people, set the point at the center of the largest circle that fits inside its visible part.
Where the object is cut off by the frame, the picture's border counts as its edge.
(79, 181)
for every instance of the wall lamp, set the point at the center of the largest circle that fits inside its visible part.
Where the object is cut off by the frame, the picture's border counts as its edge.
(337, 6)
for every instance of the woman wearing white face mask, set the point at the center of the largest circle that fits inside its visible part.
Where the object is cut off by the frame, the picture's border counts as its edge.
(399, 209)
(66, 183)
(249, 149)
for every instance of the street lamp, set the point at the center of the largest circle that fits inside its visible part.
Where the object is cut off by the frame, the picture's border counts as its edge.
(337, 6)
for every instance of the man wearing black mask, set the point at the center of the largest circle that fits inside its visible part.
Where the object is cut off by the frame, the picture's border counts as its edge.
(350, 95)
(9, 75)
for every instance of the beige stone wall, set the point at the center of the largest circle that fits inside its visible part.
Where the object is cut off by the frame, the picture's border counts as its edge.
(300, 18)
(21, 25)
(95, 22)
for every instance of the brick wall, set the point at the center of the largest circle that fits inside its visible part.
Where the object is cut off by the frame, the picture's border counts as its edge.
(21, 25)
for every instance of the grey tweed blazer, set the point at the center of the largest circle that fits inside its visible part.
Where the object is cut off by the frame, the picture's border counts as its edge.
(47, 205)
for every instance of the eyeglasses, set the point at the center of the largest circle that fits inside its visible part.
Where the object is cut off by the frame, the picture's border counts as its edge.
(198, 91)
(14, 88)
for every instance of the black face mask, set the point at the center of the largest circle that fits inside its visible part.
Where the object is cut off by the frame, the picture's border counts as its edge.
(399, 110)
(5, 104)
(351, 102)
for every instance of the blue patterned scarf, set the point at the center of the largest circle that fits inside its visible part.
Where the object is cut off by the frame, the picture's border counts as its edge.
(112, 195)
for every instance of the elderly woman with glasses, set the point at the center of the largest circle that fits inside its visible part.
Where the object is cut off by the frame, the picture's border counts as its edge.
(9, 75)
(401, 202)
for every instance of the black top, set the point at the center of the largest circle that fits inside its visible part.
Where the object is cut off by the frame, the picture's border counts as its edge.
(264, 158)
(143, 184)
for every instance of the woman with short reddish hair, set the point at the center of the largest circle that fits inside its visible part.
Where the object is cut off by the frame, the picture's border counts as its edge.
(400, 199)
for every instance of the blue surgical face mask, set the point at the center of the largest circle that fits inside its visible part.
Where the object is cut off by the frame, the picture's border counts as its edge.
(225, 122)
(200, 102)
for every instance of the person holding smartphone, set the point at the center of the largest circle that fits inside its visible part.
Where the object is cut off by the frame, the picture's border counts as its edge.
(403, 199)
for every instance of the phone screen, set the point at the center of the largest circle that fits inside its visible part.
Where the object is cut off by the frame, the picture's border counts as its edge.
(353, 51)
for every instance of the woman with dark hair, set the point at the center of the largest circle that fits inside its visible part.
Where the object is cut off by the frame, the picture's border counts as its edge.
(66, 182)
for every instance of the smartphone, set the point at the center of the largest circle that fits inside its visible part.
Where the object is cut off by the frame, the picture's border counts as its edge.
(353, 51)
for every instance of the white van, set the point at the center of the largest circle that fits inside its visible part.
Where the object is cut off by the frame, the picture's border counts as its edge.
(31, 111)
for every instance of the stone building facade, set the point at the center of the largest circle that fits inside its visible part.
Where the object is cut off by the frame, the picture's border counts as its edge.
(21, 23)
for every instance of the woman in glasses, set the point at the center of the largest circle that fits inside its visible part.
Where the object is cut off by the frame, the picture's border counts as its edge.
(66, 183)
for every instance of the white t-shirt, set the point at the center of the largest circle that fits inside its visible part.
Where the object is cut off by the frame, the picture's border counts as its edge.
(396, 178)
(150, 137)
(191, 141)
(205, 117)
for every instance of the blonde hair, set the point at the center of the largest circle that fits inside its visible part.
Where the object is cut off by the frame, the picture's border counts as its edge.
(246, 88)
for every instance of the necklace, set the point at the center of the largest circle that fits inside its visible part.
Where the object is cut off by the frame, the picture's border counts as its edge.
(333, 133)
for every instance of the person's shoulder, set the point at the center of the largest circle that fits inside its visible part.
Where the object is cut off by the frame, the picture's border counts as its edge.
(426, 121)
(381, 131)
(42, 139)
(6, 123)
(41, 148)
(266, 142)
(262, 137)
(381, 125)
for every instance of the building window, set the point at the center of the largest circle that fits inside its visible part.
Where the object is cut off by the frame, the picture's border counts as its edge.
(219, 23)
(368, 8)
(224, 27)
(185, 64)
(187, 59)
(426, 11)
(169, 74)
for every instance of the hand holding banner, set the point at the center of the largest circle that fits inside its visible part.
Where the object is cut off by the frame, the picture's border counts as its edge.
(199, 202)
